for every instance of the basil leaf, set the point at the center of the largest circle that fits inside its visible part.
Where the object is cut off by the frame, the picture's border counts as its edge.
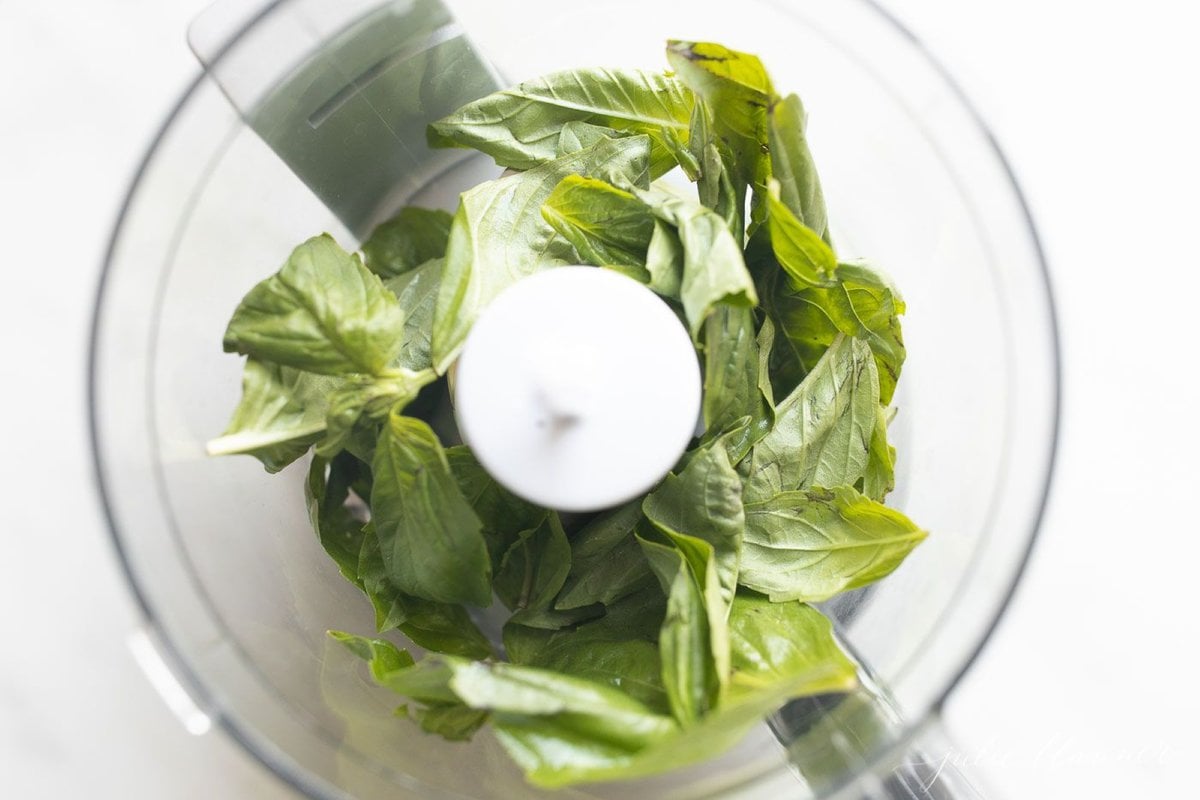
(280, 415)
(667, 146)
(822, 429)
(605, 225)
(738, 90)
(807, 663)
(499, 236)
(442, 627)
(408, 240)
(792, 165)
(704, 502)
(452, 721)
(503, 515)
(382, 657)
(813, 544)
(606, 560)
(863, 304)
(720, 184)
(880, 476)
(690, 677)
(326, 490)
(773, 644)
(416, 291)
(535, 566)
(444, 714)
(804, 256)
(322, 312)
(432, 541)
(664, 260)
(714, 271)
(521, 127)
(367, 400)
(735, 384)
(596, 651)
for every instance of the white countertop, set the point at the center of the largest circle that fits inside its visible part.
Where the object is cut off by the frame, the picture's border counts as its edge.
(1085, 690)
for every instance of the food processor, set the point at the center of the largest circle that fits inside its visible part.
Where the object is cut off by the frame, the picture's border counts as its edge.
(310, 116)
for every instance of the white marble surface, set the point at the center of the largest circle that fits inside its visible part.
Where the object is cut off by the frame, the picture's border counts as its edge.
(1086, 689)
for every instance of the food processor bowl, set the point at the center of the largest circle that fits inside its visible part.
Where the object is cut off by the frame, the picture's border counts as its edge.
(310, 117)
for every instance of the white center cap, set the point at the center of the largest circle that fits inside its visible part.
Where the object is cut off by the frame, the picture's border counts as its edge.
(577, 389)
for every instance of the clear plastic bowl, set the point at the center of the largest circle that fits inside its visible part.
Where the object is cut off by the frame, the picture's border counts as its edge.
(311, 118)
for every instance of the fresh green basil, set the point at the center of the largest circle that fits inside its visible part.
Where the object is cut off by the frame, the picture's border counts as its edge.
(606, 560)
(431, 539)
(880, 476)
(775, 644)
(521, 127)
(416, 291)
(363, 399)
(863, 304)
(605, 225)
(691, 677)
(801, 252)
(714, 270)
(322, 312)
(408, 240)
(736, 386)
(792, 165)
(829, 447)
(738, 90)
(499, 236)
(280, 416)
(534, 567)
(656, 634)
(812, 544)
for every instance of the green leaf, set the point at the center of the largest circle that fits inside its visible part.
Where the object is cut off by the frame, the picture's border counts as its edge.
(499, 236)
(721, 184)
(792, 165)
(736, 386)
(281, 414)
(823, 429)
(690, 676)
(880, 476)
(515, 693)
(714, 271)
(432, 541)
(364, 400)
(773, 644)
(705, 502)
(521, 127)
(322, 312)
(664, 260)
(504, 516)
(863, 304)
(804, 256)
(605, 225)
(667, 145)
(408, 240)
(427, 681)
(382, 656)
(599, 651)
(738, 90)
(814, 544)
(535, 566)
(606, 560)
(552, 759)
(326, 491)
(417, 291)
(780, 652)
(452, 721)
(441, 627)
